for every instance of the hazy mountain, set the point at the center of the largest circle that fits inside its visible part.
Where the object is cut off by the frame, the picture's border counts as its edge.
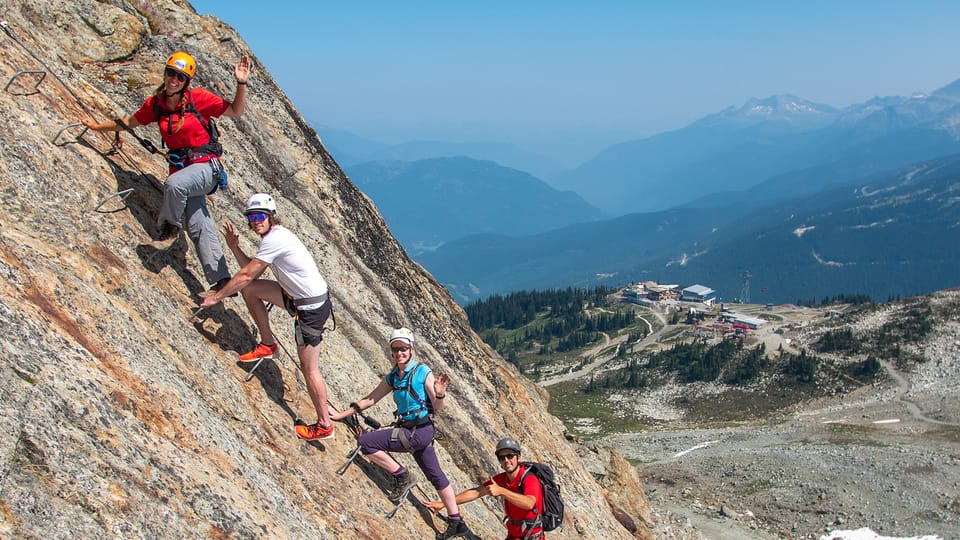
(429, 202)
(350, 149)
(732, 149)
(346, 147)
(880, 236)
(892, 234)
(737, 149)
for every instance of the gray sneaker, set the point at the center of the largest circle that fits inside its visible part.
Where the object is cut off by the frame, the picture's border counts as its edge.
(401, 484)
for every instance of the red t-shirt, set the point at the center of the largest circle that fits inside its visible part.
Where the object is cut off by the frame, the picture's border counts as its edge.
(531, 486)
(191, 134)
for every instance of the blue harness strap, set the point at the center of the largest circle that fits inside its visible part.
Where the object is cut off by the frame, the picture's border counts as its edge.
(411, 405)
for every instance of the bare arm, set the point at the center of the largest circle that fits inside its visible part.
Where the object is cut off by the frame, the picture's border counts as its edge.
(464, 496)
(376, 395)
(110, 125)
(527, 502)
(242, 73)
(232, 238)
(248, 273)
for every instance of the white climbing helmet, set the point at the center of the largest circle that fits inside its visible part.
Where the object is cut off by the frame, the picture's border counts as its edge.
(402, 334)
(261, 202)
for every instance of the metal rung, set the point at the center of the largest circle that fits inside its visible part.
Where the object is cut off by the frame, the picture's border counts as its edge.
(122, 195)
(66, 127)
(255, 366)
(36, 84)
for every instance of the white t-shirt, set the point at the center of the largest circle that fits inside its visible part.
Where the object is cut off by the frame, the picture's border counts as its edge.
(293, 265)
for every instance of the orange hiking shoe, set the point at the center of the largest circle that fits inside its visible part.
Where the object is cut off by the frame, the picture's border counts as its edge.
(258, 352)
(313, 432)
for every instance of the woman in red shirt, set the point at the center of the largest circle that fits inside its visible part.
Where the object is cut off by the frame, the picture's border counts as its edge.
(184, 116)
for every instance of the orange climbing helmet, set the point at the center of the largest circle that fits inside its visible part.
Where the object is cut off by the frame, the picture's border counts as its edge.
(183, 63)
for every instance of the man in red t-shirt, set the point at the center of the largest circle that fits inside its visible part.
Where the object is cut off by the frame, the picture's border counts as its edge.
(522, 494)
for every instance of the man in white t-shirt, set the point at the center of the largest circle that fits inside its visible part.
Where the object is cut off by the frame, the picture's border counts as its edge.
(299, 288)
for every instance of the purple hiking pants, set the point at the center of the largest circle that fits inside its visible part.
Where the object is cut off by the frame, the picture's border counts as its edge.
(421, 440)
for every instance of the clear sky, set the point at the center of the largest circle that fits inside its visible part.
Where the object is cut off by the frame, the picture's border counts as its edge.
(518, 70)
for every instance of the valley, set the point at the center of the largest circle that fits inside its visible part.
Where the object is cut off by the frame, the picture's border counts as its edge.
(765, 460)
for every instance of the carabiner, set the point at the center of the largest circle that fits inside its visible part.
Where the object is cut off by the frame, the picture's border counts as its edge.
(175, 160)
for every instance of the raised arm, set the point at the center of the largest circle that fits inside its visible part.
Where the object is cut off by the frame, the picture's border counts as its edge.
(437, 389)
(242, 73)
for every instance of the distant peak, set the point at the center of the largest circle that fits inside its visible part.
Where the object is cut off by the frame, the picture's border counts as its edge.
(784, 108)
(783, 104)
(951, 90)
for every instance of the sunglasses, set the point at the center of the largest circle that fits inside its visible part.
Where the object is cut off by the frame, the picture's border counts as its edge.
(256, 217)
(504, 457)
(399, 349)
(170, 72)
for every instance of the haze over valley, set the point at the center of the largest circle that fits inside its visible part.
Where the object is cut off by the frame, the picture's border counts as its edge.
(807, 199)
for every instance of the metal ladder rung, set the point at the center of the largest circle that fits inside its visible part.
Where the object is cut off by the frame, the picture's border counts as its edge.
(122, 195)
(42, 75)
(66, 127)
(255, 366)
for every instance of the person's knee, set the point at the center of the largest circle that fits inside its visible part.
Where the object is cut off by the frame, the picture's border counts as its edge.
(176, 186)
(369, 443)
(438, 479)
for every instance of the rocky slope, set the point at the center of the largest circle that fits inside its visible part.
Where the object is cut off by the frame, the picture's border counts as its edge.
(121, 417)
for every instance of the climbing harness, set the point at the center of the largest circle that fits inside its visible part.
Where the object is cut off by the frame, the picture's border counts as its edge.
(187, 155)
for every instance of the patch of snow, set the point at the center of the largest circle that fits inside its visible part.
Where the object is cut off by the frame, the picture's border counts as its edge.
(697, 447)
(874, 224)
(800, 230)
(866, 533)
(825, 262)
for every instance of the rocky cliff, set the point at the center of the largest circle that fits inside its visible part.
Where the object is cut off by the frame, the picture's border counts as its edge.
(122, 417)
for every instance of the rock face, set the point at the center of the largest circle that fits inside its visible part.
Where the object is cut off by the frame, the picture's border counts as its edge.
(122, 418)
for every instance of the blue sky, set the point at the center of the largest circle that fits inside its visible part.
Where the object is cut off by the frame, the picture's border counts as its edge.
(526, 72)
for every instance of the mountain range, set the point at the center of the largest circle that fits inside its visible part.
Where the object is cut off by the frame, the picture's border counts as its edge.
(886, 235)
(428, 202)
(350, 149)
(701, 193)
(741, 147)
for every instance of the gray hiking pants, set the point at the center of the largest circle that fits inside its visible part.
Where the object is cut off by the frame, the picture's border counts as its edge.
(185, 200)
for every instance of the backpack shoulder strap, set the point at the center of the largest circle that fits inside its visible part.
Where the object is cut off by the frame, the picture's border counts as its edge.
(414, 374)
(528, 469)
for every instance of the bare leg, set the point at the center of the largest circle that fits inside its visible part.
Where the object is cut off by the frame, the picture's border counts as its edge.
(255, 294)
(316, 386)
(384, 460)
(449, 499)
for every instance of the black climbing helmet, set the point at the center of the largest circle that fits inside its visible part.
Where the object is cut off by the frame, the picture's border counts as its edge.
(507, 443)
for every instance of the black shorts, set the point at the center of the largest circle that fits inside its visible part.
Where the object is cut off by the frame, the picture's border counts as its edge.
(308, 327)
